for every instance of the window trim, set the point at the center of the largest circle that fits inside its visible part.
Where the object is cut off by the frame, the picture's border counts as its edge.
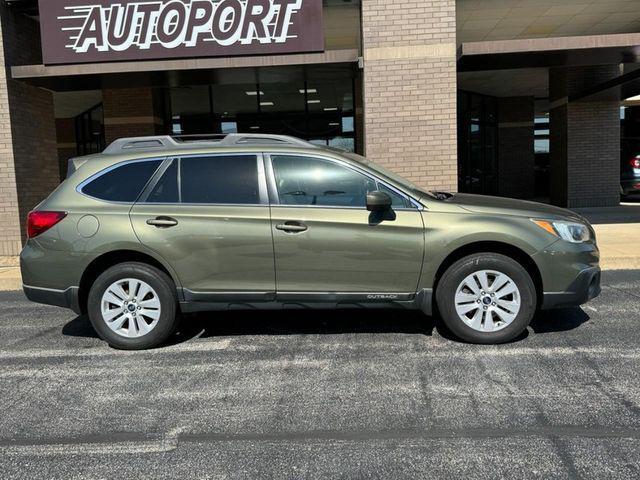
(262, 182)
(275, 198)
(110, 168)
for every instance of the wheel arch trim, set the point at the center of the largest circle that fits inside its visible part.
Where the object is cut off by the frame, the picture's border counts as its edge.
(107, 259)
(491, 246)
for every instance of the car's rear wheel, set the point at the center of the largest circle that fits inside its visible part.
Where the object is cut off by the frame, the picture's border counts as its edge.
(133, 306)
(486, 298)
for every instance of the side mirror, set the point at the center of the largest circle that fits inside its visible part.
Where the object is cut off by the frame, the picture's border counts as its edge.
(378, 201)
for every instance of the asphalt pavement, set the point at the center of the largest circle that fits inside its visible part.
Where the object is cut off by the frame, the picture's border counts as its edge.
(349, 394)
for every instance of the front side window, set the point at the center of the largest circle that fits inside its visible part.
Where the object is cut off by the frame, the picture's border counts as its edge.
(397, 200)
(220, 179)
(313, 181)
(123, 183)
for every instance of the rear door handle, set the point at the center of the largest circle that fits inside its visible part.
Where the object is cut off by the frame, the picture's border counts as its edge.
(292, 227)
(162, 222)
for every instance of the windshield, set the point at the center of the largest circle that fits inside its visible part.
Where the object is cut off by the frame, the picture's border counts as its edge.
(386, 173)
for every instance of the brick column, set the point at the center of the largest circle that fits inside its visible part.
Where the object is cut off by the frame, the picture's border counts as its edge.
(132, 112)
(28, 160)
(516, 156)
(585, 139)
(409, 49)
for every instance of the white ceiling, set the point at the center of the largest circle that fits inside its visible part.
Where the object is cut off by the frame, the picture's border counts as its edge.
(479, 20)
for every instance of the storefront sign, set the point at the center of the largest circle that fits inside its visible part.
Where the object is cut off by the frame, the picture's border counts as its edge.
(81, 31)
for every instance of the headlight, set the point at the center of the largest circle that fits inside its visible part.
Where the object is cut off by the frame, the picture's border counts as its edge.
(570, 231)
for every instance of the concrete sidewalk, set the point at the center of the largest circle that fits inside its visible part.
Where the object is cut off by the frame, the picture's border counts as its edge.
(10, 279)
(618, 234)
(617, 230)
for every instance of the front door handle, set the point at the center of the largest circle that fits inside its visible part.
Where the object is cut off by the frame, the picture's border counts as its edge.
(162, 222)
(292, 227)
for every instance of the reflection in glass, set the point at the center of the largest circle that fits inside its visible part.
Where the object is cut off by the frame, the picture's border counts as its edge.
(315, 103)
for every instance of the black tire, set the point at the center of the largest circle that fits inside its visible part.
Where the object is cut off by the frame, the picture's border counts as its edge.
(165, 290)
(456, 273)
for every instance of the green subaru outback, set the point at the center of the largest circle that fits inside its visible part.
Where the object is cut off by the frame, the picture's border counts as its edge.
(158, 226)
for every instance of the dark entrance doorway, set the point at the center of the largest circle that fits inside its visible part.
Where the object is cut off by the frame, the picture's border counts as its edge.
(477, 143)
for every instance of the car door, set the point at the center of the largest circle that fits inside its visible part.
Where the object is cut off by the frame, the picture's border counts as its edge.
(325, 240)
(208, 216)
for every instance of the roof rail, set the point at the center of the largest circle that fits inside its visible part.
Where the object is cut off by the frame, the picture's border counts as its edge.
(166, 142)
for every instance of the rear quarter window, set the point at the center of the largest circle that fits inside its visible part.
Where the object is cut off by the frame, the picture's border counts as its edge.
(123, 183)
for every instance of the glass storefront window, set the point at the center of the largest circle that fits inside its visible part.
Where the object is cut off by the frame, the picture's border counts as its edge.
(541, 149)
(89, 129)
(315, 103)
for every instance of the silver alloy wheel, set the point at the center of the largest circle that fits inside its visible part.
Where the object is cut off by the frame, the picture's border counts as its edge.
(130, 307)
(487, 300)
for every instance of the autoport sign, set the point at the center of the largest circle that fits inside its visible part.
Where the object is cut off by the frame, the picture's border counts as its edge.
(81, 31)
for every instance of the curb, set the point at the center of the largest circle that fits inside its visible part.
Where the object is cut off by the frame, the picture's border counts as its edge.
(10, 284)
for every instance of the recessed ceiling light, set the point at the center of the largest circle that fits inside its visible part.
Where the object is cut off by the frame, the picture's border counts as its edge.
(253, 93)
(266, 104)
(309, 90)
(313, 101)
(255, 127)
(331, 109)
(334, 124)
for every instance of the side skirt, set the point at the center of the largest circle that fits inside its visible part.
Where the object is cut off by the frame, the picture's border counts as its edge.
(218, 301)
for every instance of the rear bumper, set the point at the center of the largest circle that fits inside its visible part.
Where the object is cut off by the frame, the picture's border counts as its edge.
(51, 276)
(585, 287)
(60, 298)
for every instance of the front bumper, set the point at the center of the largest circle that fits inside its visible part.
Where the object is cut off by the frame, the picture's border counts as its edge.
(585, 287)
(68, 298)
(570, 273)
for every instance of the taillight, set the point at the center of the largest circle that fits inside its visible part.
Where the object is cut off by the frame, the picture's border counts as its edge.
(39, 222)
(635, 162)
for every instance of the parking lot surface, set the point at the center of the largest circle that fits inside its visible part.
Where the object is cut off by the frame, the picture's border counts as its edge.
(349, 394)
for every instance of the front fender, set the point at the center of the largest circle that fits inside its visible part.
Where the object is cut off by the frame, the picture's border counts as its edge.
(446, 232)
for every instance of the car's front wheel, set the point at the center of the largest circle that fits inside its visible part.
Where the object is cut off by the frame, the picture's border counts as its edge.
(133, 306)
(486, 298)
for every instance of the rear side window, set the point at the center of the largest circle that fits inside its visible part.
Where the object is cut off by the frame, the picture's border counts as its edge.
(220, 179)
(123, 183)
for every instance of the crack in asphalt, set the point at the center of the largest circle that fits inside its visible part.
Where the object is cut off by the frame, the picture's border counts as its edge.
(141, 443)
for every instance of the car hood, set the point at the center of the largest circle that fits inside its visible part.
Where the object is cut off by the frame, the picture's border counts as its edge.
(509, 206)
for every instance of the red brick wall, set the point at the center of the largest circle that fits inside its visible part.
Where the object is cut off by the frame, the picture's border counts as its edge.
(132, 112)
